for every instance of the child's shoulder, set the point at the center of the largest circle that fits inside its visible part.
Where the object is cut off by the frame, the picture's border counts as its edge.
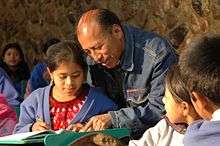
(38, 94)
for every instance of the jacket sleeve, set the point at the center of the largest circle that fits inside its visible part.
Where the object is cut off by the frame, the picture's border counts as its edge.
(27, 115)
(146, 115)
(7, 89)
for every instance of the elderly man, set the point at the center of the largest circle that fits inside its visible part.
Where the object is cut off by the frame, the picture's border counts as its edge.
(129, 65)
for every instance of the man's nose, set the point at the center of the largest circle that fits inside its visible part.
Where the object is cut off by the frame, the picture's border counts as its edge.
(97, 57)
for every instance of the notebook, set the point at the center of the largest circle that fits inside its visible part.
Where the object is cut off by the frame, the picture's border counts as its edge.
(36, 136)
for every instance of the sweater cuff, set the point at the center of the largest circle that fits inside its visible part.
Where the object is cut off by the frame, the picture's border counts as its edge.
(114, 120)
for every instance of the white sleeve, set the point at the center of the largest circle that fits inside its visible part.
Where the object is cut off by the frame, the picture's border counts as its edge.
(152, 136)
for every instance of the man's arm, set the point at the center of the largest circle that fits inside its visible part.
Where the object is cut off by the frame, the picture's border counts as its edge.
(144, 116)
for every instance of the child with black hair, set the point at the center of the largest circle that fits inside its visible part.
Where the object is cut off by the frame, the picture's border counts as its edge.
(68, 99)
(179, 113)
(200, 69)
(14, 64)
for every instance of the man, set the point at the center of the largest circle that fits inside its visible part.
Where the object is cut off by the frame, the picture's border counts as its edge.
(130, 66)
(200, 69)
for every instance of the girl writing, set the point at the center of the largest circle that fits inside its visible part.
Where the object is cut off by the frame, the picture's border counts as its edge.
(68, 99)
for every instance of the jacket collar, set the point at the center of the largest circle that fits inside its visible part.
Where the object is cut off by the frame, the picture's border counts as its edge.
(127, 61)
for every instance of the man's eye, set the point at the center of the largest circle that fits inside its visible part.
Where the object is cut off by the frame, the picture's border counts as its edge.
(87, 51)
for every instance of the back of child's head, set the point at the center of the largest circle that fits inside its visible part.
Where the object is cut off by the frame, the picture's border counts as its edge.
(200, 67)
(49, 43)
(14, 46)
(176, 86)
(65, 51)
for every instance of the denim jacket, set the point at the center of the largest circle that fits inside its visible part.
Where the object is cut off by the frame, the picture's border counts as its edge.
(137, 84)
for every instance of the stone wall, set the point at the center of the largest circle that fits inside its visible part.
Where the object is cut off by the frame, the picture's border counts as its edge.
(31, 22)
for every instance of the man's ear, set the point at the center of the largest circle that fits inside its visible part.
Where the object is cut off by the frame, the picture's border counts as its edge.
(117, 31)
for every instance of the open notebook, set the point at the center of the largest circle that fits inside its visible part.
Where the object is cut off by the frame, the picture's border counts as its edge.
(36, 136)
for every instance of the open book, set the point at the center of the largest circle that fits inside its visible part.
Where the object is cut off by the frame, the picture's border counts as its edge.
(36, 136)
(56, 138)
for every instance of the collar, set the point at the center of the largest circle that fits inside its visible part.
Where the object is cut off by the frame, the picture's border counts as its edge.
(127, 62)
(216, 115)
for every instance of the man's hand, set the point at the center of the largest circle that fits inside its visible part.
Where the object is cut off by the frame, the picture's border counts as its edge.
(99, 122)
(75, 127)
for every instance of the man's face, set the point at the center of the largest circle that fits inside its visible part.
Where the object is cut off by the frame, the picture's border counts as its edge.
(103, 47)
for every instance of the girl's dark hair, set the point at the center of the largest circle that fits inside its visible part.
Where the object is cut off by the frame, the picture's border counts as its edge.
(65, 51)
(15, 46)
(176, 86)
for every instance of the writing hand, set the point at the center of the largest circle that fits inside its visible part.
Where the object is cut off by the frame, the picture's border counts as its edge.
(39, 125)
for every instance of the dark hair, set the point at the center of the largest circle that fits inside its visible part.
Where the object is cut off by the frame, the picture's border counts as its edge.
(200, 67)
(15, 46)
(176, 86)
(64, 51)
(22, 72)
(49, 43)
(107, 19)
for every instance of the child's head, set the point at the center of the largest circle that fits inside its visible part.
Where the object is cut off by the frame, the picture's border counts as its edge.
(200, 68)
(177, 101)
(12, 54)
(49, 43)
(67, 67)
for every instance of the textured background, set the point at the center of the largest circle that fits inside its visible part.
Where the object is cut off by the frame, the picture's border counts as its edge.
(31, 22)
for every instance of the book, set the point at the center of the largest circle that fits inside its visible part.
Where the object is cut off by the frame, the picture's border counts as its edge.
(61, 137)
(35, 136)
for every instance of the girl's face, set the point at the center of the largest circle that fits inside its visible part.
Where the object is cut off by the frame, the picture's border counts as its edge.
(68, 78)
(12, 57)
(174, 110)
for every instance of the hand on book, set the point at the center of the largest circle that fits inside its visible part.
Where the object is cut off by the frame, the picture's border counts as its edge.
(75, 127)
(96, 123)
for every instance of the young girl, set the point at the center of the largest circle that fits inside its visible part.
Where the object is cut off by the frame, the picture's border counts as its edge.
(179, 113)
(68, 99)
(15, 66)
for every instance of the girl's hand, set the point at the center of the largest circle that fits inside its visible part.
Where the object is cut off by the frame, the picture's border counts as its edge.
(75, 127)
(39, 125)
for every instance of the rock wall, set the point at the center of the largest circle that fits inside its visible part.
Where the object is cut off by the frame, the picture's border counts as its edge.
(31, 22)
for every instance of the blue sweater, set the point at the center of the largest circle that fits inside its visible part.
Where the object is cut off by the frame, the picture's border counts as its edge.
(203, 133)
(7, 89)
(36, 105)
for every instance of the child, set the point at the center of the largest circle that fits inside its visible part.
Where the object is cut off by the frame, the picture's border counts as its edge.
(200, 68)
(68, 99)
(179, 113)
(15, 66)
(8, 117)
